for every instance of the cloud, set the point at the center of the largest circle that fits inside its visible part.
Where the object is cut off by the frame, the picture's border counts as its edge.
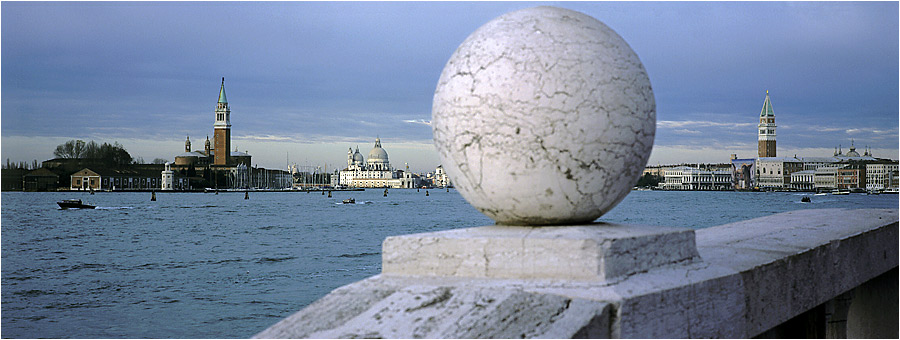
(418, 121)
(875, 131)
(267, 138)
(825, 128)
(687, 132)
(694, 123)
(878, 132)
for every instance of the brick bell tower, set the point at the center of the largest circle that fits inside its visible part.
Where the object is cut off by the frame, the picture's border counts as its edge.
(222, 135)
(767, 129)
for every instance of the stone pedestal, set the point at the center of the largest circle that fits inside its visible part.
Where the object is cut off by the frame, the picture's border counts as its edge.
(585, 252)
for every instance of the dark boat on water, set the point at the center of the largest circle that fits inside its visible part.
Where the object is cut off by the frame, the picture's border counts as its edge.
(74, 204)
(350, 201)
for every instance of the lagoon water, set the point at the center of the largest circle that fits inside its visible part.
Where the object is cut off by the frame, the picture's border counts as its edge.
(200, 265)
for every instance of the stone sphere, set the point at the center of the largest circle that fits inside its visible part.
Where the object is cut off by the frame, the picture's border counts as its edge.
(544, 116)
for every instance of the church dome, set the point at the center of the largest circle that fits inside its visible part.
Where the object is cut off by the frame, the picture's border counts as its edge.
(358, 158)
(378, 155)
(852, 152)
(188, 158)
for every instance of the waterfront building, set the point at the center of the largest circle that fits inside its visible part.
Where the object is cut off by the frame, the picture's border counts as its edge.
(168, 177)
(743, 173)
(41, 179)
(674, 178)
(803, 180)
(86, 179)
(374, 172)
(688, 178)
(825, 178)
(240, 158)
(849, 178)
(335, 179)
(766, 126)
(882, 176)
(653, 170)
(13, 179)
(118, 179)
(440, 177)
(775, 172)
(813, 163)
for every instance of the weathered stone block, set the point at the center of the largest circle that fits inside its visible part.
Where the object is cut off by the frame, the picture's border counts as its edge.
(586, 252)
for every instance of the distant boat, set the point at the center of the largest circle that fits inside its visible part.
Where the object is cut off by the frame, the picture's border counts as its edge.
(821, 194)
(805, 199)
(74, 204)
(839, 192)
(350, 201)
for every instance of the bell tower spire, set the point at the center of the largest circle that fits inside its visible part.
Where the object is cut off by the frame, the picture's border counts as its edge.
(767, 129)
(222, 129)
(222, 93)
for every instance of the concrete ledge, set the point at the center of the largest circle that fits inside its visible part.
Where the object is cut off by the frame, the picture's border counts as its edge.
(753, 276)
(587, 252)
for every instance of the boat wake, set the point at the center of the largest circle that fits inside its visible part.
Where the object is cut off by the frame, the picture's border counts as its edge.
(364, 202)
(112, 208)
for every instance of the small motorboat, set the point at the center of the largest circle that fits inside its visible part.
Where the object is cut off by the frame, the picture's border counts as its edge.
(350, 201)
(805, 199)
(74, 204)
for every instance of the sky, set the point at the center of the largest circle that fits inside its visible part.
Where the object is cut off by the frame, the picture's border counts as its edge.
(308, 80)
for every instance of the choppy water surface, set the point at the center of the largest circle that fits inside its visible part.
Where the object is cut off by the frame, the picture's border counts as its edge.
(219, 266)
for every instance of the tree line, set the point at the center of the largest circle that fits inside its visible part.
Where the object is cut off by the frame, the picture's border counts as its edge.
(113, 154)
(21, 165)
(109, 153)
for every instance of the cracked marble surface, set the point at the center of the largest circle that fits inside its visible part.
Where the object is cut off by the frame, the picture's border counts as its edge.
(544, 116)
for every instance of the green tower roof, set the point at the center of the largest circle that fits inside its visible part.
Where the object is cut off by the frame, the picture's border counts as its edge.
(766, 110)
(223, 100)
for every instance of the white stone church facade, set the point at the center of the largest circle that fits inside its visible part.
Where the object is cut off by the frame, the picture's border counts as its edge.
(374, 172)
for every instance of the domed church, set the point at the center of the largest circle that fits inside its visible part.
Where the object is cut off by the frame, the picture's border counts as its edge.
(378, 158)
(376, 172)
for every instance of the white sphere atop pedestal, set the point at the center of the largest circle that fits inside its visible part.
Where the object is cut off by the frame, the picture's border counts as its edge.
(544, 116)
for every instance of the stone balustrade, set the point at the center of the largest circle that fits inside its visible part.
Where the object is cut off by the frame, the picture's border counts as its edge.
(819, 273)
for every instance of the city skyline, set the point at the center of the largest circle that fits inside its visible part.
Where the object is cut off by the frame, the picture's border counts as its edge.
(307, 80)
